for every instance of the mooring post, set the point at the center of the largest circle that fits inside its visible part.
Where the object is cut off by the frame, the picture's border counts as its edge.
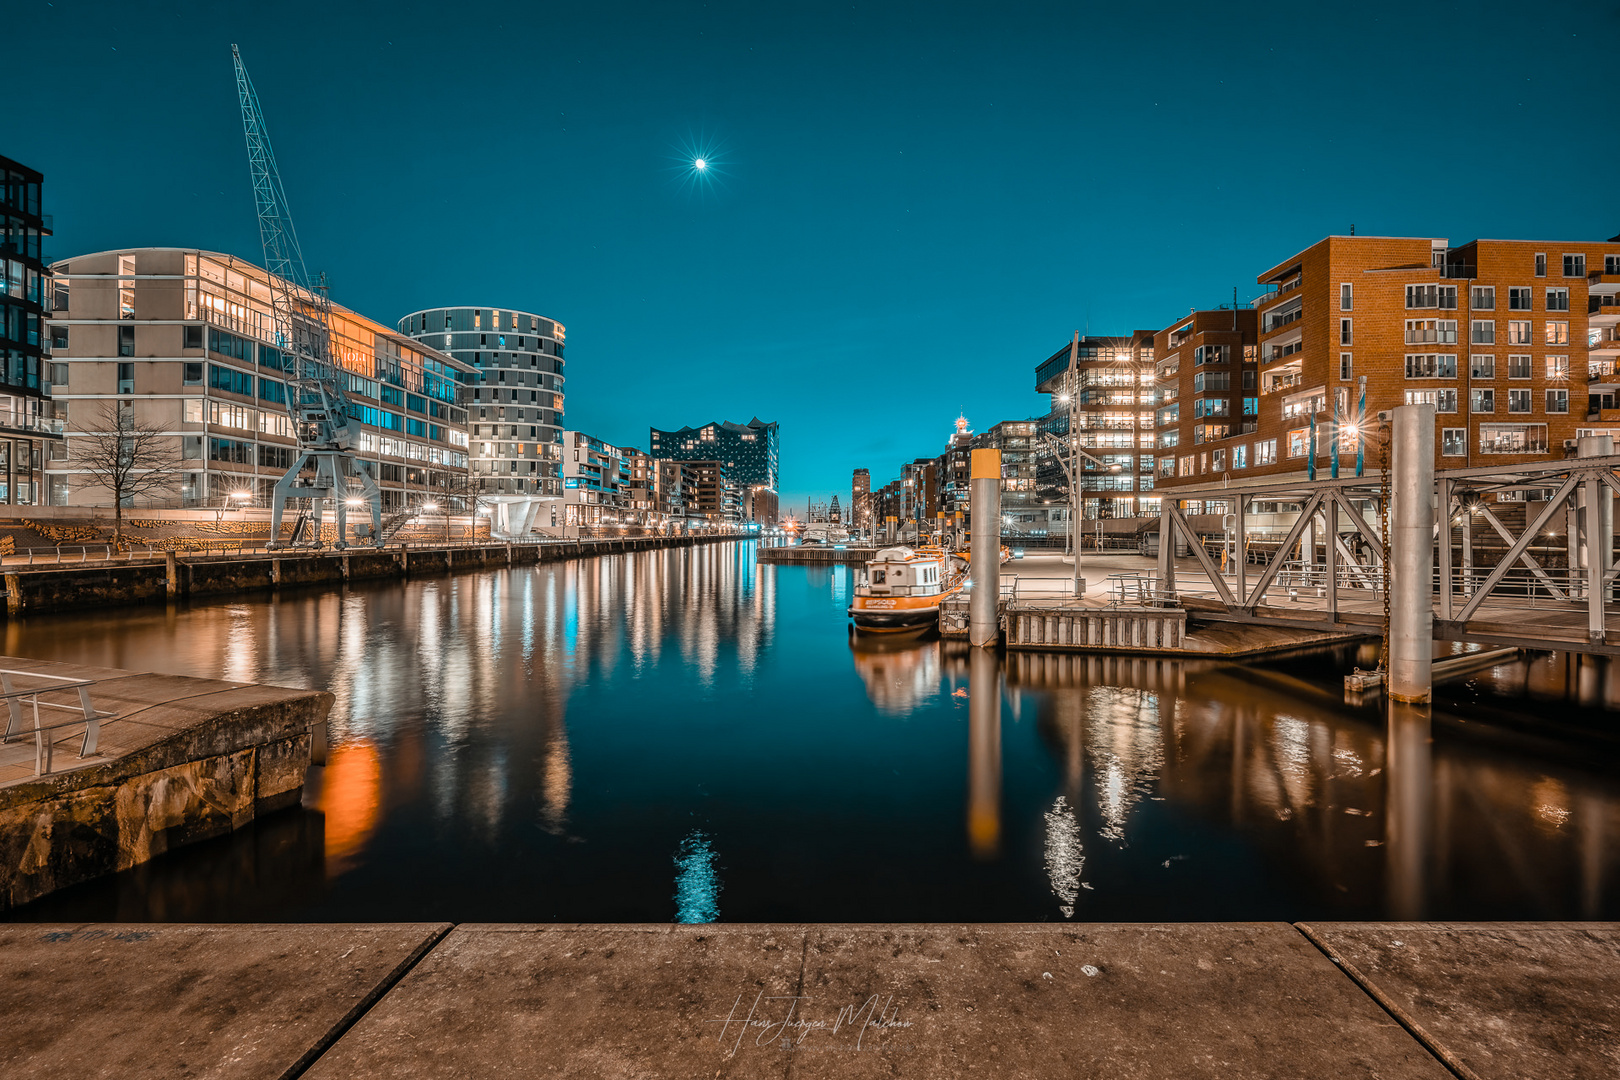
(1597, 529)
(1167, 547)
(1411, 618)
(171, 575)
(984, 493)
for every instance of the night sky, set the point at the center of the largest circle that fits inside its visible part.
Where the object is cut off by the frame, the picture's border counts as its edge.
(911, 204)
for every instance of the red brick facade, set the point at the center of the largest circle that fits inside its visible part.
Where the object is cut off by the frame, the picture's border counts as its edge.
(1495, 333)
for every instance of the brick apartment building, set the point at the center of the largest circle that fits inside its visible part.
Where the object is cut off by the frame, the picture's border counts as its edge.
(1513, 342)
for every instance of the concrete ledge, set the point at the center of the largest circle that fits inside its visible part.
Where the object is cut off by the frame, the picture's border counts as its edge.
(1183, 1001)
(180, 760)
(199, 1001)
(1495, 1001)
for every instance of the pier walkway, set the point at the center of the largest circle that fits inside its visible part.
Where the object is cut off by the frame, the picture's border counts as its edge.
(1427, 1001)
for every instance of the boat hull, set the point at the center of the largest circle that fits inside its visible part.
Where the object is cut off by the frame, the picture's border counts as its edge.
(894, 620)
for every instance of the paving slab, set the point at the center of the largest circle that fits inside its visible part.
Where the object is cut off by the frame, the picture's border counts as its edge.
(136, 1001)
(1495, 1000)
(1123, 1001)
(567, 1001)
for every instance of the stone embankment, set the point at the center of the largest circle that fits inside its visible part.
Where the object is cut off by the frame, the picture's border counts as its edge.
(176, 760)
(1416, 1001)
(38, 589)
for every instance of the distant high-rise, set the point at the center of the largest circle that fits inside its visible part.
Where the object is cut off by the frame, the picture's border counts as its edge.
(747, 452)
(860, 499)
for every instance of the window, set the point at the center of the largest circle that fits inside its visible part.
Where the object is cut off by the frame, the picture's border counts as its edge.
(59, 374)
(1240, 454)
(1574, 266)
(231, 380)
(1298, 442)
(126, 341)
(192, 338)
(1557, 369)
(1422, 296)
(1518, 331)
(1519, 299)
(1518, 367)
(1558, 401)
(1611, 264)
(1447, 295)
(1518, 401)
(193, 374)
(1454, 441)
(1211, 380)
(1484, 332)
(1431, 366)
(1444, 401)
(126, 378)
(1345, 365)
(1218, 461)
(1187, 464)
(1210, 354)
(1251, 406)
(1558, 332)
(1346, 336)
(1482, 401)
(59, 338)
(1431, 331)
(1482, 298)
(1249, 380)
(1346, 297)
(1482, 366)
(1541, 265)
(1513, 438)
(1265, 452)
(1558, 299)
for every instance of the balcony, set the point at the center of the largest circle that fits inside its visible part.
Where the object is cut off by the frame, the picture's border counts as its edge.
(1273, 325)
(1282, 290)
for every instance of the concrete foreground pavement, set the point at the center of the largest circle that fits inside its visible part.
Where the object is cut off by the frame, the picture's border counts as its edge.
(1228, 1000)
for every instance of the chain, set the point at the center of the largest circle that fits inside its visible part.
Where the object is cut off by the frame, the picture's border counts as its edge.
(1383, 532)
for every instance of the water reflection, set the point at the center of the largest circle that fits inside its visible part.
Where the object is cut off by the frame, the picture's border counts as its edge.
(534, 744)
(697, 884)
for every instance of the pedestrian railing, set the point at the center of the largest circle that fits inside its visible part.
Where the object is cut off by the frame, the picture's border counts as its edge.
(18, 699)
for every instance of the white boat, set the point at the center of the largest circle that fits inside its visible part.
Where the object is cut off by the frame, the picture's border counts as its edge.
(900, 588)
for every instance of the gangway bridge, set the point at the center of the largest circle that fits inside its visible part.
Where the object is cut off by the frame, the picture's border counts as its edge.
(1520, 555)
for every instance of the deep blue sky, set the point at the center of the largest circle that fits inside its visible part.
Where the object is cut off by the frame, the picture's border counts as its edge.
(916, 203)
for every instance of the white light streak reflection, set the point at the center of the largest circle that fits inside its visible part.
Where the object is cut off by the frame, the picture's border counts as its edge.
(1065, 855)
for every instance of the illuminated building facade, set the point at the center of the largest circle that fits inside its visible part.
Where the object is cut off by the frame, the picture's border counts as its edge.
(186, 340)
(747, 453)
(1111, 394)
(26, 424)
(514, 404)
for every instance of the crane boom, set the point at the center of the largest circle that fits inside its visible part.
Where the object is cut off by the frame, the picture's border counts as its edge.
(316, 398)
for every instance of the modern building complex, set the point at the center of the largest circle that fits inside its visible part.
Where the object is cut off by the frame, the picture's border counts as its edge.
(746, 456)
(186, 341)
(26, 424)
(514, 405)
(1016, 439)
(1513, 342)
(1110, 394)
(1207, 376)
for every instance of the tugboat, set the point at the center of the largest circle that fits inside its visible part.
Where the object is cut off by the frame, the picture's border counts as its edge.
(901, 589)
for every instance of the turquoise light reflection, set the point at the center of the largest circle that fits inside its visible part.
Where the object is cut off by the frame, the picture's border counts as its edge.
(697, 886)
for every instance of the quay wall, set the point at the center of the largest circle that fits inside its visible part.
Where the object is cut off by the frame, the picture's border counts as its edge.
(36, 589)
(197, 759)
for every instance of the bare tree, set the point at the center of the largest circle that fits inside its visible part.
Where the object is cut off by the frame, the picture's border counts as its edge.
(127, 457)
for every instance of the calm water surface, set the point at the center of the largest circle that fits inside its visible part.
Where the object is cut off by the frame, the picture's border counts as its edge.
(685, 735)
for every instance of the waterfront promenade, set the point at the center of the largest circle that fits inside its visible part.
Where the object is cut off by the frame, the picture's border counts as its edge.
(1227, 1000)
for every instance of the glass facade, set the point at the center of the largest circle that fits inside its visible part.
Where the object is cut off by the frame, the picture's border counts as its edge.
(188, 340)
(26, 292)
(747, 455)
(514, 401)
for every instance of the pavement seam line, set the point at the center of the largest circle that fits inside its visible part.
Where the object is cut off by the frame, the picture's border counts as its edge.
(1389, 1005)
(366, 1003)
(798, 991)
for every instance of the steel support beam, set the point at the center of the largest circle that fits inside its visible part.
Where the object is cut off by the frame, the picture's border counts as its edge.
(1500, 570)
(1275, 565)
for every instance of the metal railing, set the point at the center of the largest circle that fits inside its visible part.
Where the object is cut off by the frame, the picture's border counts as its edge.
(15, 698)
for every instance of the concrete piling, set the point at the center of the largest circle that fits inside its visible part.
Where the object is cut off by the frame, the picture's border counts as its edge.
(1411, 613)
(985, 503)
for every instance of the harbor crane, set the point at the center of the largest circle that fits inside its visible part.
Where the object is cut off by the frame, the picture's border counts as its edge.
(315, 394)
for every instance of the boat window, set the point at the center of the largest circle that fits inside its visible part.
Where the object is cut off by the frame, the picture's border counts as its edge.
(878, 577)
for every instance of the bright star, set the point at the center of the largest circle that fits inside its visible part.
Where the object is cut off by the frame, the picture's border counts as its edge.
(700, 164)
